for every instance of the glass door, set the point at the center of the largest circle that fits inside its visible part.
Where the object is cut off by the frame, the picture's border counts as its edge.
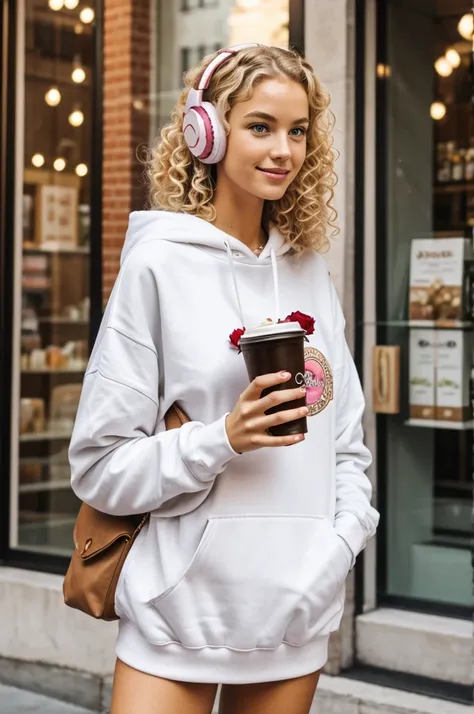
(425, 302)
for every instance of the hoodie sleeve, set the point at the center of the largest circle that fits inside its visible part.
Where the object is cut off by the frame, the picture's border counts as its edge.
(356, 520)
(118, 464)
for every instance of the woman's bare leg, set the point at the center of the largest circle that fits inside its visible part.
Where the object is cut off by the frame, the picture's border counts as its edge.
(291, 695)
(135, 692)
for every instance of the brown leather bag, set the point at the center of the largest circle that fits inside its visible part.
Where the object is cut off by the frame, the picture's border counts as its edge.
(101, 544)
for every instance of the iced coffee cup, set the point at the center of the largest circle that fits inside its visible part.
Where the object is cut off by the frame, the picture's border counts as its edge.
(278, 347)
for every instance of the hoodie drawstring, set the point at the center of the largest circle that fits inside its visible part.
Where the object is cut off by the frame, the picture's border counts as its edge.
(234, 278)
(276, 290)
(236, 286)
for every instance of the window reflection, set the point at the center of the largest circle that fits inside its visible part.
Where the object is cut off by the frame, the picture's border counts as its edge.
(192, 29)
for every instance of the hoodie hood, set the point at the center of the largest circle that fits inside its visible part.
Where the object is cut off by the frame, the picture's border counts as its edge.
(184, 228)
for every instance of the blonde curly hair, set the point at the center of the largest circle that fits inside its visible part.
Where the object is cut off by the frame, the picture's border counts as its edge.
(180, 182)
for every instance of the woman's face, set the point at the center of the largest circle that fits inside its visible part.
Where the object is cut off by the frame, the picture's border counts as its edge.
(266, 145)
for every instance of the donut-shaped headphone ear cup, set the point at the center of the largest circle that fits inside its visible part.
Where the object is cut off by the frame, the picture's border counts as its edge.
(219, 137)
(204, 133)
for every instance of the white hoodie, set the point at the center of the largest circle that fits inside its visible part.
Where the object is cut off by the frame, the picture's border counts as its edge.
(239, 575)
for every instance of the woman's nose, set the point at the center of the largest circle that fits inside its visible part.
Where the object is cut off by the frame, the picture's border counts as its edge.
(281, 147)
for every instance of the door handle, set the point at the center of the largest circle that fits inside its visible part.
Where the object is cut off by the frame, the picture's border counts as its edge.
(386, 379)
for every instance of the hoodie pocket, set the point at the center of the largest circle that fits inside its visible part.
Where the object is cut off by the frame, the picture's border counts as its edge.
(255, 582)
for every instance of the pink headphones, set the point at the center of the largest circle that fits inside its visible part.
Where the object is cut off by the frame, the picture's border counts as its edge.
(203, 132)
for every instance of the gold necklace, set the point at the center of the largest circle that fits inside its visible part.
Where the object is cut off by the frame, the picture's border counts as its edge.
(258, 250)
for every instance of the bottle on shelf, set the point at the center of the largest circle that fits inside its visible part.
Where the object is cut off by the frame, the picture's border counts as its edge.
(451, 148)
(469, 165)
(457, 166)
(443, 166)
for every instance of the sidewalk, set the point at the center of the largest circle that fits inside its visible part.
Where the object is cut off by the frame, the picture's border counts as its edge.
(336, 695)
(16, 701)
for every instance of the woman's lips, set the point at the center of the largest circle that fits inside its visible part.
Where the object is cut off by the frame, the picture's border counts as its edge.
(275, 174)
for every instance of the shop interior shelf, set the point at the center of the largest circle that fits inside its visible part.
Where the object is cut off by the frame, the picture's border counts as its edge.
(454, 187)
(455, 485)
(46, 549)
(72, 370)
(46, 436)
(43, 486)
(460, 540)
(56, 460)
(35, 288)
(58, 320)
(438, 324)
(32, 248)
(442, 324)
(48, 535)
(438, 424)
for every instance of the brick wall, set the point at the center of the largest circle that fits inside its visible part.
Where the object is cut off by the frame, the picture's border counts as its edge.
(127, 37)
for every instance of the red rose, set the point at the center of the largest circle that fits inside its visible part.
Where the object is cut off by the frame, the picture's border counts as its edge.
(235, 337)
(306, 321)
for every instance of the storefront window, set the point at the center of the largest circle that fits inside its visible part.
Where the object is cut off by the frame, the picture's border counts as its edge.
(52, 294)
(425, 304)
(188, 32)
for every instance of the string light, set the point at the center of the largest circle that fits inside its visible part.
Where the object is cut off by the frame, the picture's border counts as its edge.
(78, 75)
(56, 5)
(52, 97)
(59, 164)
(37, 160)
(466, 26)
(438, 110)
(87, 15)
(76, 118)
(71, 4)
(81, 170)
(443, 67)
(453, 57)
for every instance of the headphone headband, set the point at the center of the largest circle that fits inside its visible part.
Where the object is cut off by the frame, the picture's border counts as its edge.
(222, 57)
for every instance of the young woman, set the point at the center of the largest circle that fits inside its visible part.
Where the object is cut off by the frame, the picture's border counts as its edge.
(238, 578)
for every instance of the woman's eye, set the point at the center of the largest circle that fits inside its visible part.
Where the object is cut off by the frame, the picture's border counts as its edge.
(300, 131)
(259, 128)
(263, 129)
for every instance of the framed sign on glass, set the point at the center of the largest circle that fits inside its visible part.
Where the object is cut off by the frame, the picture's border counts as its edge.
(57, 216)
(54, 200)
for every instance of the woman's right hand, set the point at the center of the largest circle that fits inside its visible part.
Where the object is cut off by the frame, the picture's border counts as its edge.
(246, 425)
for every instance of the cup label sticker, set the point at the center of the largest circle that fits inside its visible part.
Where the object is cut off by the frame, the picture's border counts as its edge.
(317, 379)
